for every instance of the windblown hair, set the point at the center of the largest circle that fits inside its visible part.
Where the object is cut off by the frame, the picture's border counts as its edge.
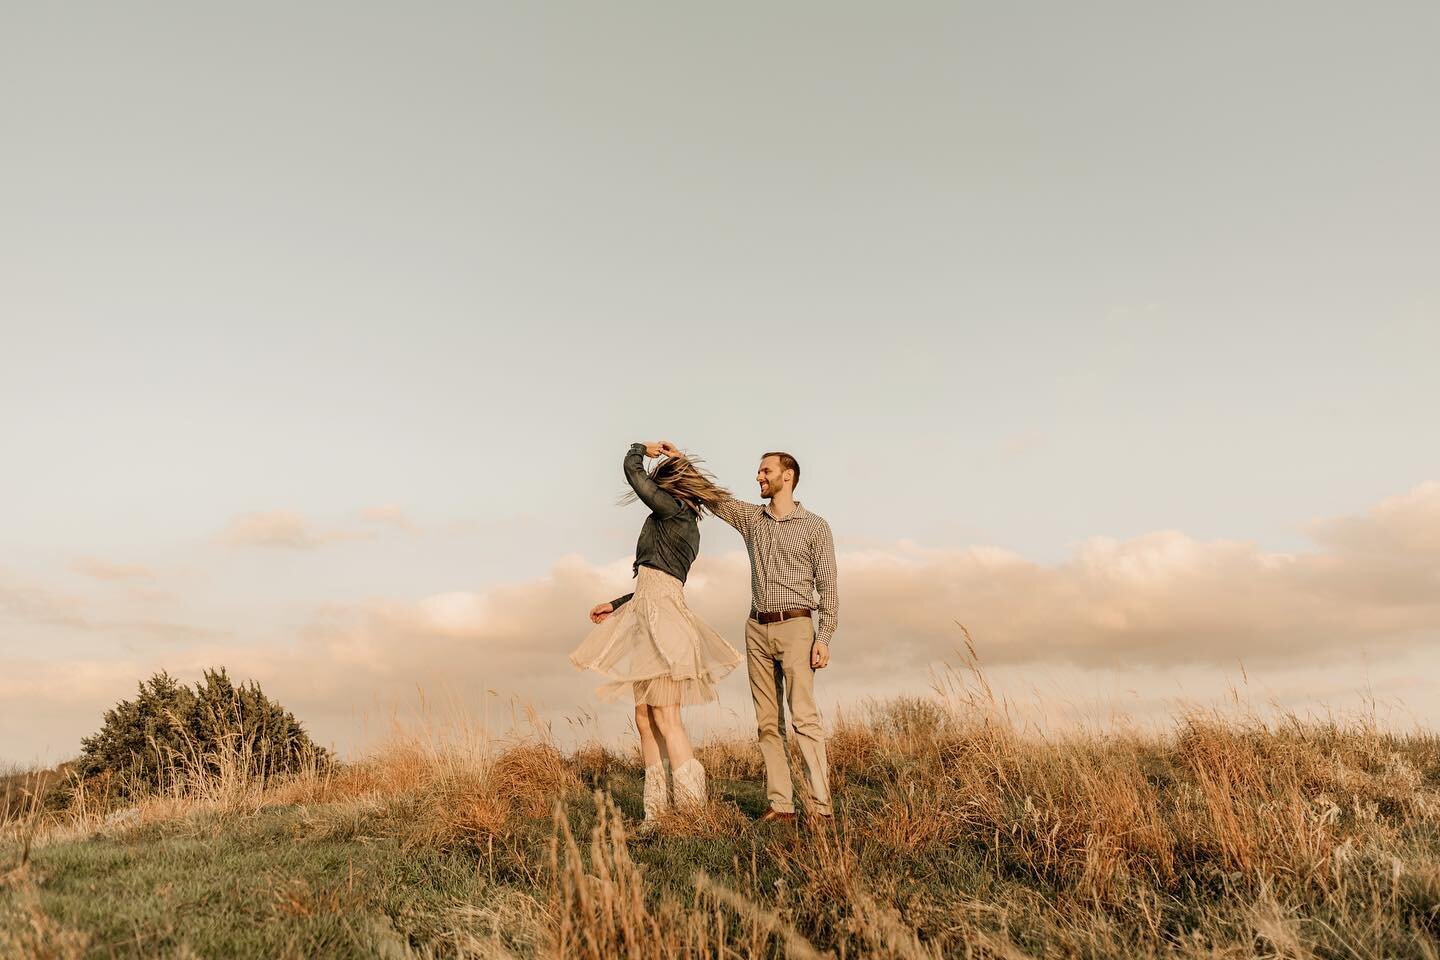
(684, 479)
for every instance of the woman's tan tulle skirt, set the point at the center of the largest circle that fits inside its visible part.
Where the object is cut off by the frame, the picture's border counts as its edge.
(656, 647)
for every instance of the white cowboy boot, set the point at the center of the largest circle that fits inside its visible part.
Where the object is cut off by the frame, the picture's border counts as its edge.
(656, 796)
(690, 783)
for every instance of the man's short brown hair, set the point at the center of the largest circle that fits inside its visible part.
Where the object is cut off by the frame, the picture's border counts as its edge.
(787, 462)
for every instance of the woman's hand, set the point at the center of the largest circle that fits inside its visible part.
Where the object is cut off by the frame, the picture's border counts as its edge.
(600, 611)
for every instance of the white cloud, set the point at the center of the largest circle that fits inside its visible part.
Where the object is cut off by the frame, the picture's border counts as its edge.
(1405, 526)
(1145, 611)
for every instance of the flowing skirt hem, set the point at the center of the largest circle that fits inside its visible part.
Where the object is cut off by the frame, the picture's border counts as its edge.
(656, 648)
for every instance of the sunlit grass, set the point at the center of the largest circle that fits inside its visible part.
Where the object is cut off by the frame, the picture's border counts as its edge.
(958, 833)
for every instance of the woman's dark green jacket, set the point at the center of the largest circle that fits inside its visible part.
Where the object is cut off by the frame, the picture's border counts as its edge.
(670, 538)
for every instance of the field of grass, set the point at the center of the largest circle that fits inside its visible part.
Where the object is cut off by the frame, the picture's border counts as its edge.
(956, 835)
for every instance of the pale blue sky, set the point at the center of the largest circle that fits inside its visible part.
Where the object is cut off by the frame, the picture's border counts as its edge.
(1016, 275)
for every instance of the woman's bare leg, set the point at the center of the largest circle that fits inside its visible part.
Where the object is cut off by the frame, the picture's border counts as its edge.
(651, 750)
(656, 794)
(669, 729)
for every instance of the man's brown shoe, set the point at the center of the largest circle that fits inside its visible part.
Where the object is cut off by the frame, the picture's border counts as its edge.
(776, 816)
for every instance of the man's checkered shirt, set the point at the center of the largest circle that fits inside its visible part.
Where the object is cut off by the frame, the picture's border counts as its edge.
(792, 560)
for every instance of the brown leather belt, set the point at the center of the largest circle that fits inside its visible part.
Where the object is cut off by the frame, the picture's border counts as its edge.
(781, 615)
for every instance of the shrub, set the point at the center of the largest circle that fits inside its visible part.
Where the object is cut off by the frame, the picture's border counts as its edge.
(173, 737)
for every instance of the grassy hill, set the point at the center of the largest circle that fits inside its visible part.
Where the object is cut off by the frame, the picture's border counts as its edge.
(956, 835)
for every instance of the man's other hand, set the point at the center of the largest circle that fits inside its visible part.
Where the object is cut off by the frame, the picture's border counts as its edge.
(819, 655)
(600, 611)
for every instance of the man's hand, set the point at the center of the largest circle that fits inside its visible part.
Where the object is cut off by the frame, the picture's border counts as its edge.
(819, 655)
(600, 611)
(669, 449)
(654, 449)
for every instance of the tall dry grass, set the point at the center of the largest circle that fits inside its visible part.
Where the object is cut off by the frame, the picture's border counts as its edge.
(958, 833)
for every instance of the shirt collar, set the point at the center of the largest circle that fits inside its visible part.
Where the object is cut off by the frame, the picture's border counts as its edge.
(796, 514)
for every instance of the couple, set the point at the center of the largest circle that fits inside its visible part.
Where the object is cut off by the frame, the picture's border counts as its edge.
(651, 644)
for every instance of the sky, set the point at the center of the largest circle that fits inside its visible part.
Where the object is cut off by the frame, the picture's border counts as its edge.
(1107, 330)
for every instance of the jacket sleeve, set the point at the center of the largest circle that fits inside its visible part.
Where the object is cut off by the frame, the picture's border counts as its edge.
(619, 602)
(650, 494)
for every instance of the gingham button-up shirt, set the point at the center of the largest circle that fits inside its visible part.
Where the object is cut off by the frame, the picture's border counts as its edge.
(792, 560)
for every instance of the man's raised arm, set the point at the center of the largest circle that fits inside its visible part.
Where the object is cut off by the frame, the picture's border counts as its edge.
(737, 513)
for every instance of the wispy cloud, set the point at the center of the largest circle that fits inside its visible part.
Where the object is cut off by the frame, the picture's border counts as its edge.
(287, 530)
(32, 616)
(105, 570)
(23, 602)
(388, 514)
(281, 529)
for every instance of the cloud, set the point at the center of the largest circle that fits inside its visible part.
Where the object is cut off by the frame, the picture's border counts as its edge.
(105, 570)
(1163, 598)
(286, 530)
(388, 514)
(512, 635)
(283, 530)
(32, 617)
(1147, 612)
(1404, 528)
(1157, 602)
(349, 662)
(22, 602)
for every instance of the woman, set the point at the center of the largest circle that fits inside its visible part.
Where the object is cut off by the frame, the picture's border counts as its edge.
(648, 642)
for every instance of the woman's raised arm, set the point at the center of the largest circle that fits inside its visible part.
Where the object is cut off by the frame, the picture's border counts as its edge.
(650, 494)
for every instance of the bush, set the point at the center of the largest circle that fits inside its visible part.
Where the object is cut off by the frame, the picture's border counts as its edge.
(171, 736)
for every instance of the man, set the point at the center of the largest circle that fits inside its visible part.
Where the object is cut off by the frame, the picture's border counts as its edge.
(792, 584)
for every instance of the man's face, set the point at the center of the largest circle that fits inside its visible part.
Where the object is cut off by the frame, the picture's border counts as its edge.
(769, 476)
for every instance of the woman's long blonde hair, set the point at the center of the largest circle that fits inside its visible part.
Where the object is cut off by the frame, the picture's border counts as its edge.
(684, 479)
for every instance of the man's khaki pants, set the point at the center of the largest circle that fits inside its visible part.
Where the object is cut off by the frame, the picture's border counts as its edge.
(787, 645)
